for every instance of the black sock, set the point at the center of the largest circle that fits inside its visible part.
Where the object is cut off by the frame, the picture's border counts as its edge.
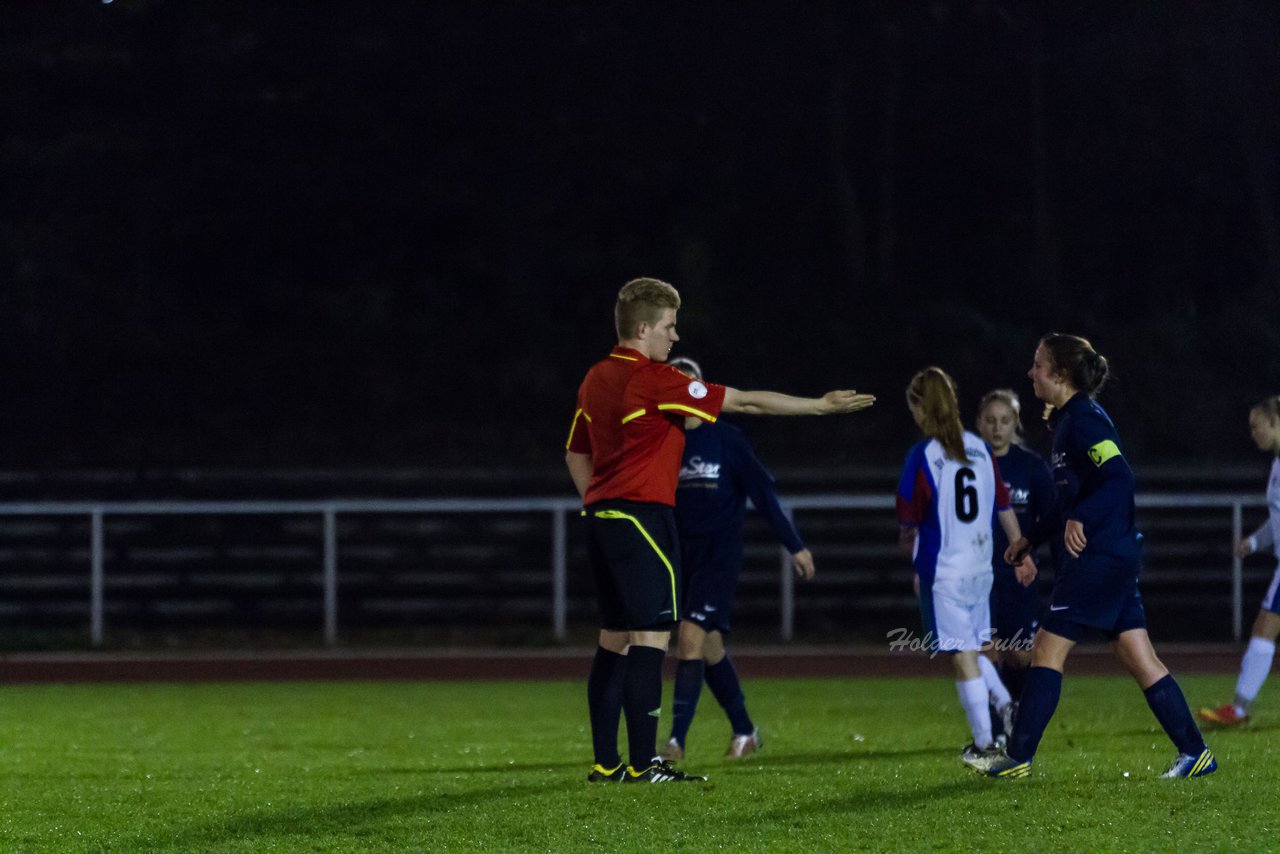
(642, 703)
(1039, 701)
(1014, 677)
(685, 700)
(722, 679)
(604, 702)
(1170, 708)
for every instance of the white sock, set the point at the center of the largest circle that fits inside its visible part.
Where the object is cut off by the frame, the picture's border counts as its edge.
(1253, 672)
(973, 697)
(999, 694)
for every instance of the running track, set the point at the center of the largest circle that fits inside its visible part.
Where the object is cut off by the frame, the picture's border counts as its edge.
(462, 664)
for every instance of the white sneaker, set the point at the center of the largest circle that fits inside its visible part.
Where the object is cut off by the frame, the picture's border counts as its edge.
(972, 753)
(741, 745)
(673, 752)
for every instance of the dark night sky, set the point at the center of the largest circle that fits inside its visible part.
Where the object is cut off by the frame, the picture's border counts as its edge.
(320, 234)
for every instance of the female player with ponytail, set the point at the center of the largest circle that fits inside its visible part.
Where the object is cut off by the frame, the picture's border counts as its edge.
(1097, 580)
(949, 490)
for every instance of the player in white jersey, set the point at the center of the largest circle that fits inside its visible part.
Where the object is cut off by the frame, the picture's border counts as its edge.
(1264, 426)
(949, 491)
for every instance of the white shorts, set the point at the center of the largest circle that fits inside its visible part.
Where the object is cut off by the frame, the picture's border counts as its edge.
(957, 612)
(1271, 602)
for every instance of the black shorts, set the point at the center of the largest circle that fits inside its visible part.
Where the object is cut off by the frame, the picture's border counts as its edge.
(635, 560)
(711, 568)
(1095, 592)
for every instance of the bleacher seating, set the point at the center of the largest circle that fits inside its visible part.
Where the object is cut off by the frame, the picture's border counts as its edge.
(454, 578)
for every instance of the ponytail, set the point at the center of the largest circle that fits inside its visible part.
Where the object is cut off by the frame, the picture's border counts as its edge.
(933, 390)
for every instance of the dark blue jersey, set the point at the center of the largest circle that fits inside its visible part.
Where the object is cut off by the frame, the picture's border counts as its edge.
(718, 473)
(1031, 494)
(1095, 484)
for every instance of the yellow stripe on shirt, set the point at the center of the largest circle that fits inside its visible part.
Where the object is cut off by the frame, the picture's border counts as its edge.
(705, 416)
(574, 426)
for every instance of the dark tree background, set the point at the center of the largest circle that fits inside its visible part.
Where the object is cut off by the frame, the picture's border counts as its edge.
(387, 234)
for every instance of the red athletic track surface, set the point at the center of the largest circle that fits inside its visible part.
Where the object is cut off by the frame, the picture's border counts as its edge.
(462, 664)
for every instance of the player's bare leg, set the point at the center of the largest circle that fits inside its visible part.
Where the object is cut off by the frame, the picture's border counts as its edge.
(965, 663)
(1134, 651)
(615, 642)
(659, 640)
(1267, 626)
(690, 641)
(1050, 650)
(713, 651)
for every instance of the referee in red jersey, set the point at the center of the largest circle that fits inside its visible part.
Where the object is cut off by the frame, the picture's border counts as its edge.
(623, 454)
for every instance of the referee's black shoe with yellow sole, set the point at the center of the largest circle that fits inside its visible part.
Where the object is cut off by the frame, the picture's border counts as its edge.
(661, 772)
(601, 774)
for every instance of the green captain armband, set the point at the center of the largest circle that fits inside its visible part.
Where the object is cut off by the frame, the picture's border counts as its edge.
(1103, 451)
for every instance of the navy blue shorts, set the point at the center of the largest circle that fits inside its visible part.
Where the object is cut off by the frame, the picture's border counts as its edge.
(1015, 610)
(635, 560)
(711, 566)
(1095, 592)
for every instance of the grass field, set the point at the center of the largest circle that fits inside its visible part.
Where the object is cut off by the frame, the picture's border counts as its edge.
(847, 765)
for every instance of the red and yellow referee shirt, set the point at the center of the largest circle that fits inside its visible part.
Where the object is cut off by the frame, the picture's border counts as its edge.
(630, 420)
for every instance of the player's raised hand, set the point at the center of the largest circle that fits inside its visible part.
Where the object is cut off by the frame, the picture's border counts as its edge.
(802, 563)
(836, 402)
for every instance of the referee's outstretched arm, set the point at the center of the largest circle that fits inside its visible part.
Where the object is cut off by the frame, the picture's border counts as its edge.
(776, 403)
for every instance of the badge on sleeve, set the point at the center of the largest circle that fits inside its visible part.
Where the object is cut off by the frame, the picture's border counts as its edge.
(697, 390)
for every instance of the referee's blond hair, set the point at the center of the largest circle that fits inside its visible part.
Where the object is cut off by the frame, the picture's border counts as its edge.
(642, 301)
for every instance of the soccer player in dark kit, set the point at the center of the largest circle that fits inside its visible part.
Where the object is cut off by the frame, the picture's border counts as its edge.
(623, 454)
(1015, 607)
(718, 473)
(1096, 587)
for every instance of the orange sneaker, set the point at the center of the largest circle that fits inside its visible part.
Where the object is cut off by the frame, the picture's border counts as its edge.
(1223, 715)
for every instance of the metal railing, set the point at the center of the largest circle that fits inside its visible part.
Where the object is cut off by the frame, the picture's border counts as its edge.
(559, 509)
